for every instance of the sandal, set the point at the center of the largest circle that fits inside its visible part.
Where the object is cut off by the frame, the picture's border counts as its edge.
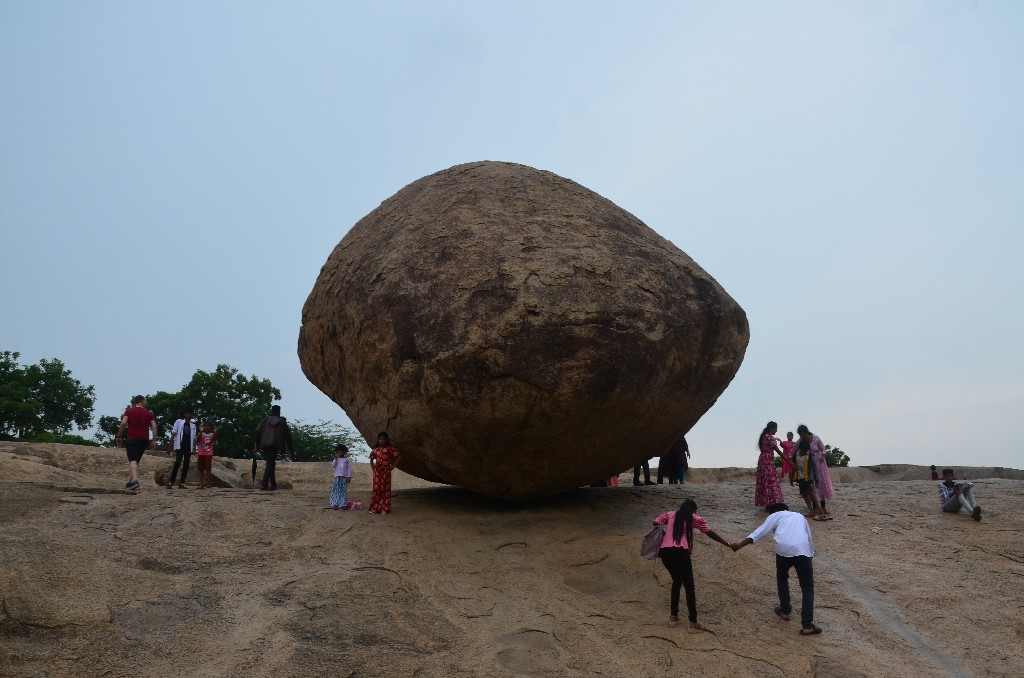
(697, 627)
(782, 615)
(673, 620)
(813, 631)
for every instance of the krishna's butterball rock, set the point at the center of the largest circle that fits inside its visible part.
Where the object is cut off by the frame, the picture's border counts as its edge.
(516, 333)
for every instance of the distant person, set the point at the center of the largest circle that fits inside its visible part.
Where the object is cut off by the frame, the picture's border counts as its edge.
(342, 475)
(954, 496)
(382, 461)
(823, 488)
(645, 466)
(794, 548)
(183, 446)
(676, 547)
(273, 436)
(768, 491)
(204, 458)
(935, 474)
(668, 464)
(805, 473)
(787, 455)
(684, 459)
(139, 422)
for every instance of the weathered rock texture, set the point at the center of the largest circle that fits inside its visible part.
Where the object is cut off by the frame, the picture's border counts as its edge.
(516, 333)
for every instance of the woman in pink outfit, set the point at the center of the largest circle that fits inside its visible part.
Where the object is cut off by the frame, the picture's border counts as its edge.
(676, 546)
(823, 483)
(768, 491)
(787, 455)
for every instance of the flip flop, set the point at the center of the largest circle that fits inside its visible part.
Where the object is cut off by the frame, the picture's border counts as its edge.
(813, 631)
(782, 615)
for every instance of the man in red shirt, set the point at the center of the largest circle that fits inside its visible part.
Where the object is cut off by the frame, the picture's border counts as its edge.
(140, 422)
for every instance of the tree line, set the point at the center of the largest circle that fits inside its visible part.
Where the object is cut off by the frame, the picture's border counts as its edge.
(43, 402)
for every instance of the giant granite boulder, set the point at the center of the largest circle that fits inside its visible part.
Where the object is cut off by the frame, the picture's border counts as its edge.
(516, 333)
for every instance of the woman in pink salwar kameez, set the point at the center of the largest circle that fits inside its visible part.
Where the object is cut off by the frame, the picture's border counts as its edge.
(823, 483)
(768, 491)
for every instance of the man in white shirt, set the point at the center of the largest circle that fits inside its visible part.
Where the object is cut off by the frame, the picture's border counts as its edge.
(794, 548)
(183, 445)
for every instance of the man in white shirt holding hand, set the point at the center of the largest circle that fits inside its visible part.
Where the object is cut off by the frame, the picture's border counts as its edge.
(794, 548)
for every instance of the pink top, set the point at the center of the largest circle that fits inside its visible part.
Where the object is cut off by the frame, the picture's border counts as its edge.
(669, 521)
(206, 444)
(787, 449)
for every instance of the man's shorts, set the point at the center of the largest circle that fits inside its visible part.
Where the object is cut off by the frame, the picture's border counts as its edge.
(205, 462)
(806, 487)
(135, 448)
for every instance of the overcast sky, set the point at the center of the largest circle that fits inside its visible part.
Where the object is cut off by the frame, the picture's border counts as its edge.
(852, 173)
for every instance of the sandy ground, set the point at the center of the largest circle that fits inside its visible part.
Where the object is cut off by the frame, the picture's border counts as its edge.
(226, 582)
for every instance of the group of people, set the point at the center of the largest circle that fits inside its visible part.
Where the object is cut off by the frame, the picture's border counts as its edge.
(671, 467)
(272, 437)
(184, 444)
(794, 549)
(803, 462)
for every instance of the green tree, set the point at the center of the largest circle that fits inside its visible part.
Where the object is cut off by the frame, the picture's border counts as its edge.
(226, 399)
(315, 442)
(42, 398)
(836, 457)
(106, 430)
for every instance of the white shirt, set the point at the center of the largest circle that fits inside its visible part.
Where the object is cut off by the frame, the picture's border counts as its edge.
(178, 429)
(792, 534)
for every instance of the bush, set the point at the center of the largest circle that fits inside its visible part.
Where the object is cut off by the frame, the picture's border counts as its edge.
(836, 457)
(66, 439)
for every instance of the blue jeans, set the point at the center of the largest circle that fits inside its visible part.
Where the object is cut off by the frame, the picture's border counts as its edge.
(804, 566)
(339, 491)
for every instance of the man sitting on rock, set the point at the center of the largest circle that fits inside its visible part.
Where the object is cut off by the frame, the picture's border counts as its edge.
(954, 496)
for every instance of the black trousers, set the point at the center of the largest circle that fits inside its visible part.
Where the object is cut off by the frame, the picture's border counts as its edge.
(181, 458)
(680, 568)
(804, 566)
(270, 454)
(646, 466)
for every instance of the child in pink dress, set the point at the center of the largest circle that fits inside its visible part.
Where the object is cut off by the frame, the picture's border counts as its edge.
(204, 457)
(787, 455)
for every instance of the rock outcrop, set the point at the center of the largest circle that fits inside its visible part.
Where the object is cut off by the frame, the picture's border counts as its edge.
(516, 333)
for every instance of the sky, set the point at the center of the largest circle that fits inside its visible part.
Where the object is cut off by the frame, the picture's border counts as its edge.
(174, 175)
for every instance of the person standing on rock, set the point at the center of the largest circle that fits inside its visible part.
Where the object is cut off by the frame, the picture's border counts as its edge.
(204, 458)
(794, 548)
(342, 475)
(644, 466)
(676, 547)
(183, 446)
(684, 459)
(787, 455)
(139, 421)
(823, 488)
(273, 436)
(382, 461)
(768, 491)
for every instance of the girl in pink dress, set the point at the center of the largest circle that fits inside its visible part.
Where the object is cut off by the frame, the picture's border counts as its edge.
(204, 456)
(768, 491)
(823, 483)
(787, 455)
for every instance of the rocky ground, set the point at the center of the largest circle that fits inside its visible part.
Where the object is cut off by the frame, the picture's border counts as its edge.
(232, 581)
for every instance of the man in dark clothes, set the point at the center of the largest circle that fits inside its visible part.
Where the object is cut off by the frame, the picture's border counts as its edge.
(273, 436)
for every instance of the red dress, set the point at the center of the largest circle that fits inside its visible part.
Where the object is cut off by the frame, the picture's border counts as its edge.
(768, 490)
(384, 459)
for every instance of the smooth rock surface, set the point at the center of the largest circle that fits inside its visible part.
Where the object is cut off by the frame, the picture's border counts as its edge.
(516, 333)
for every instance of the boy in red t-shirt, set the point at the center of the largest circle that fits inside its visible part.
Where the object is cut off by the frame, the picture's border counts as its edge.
(139, 422)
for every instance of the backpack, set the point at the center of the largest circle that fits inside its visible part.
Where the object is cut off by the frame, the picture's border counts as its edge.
(651, 543)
